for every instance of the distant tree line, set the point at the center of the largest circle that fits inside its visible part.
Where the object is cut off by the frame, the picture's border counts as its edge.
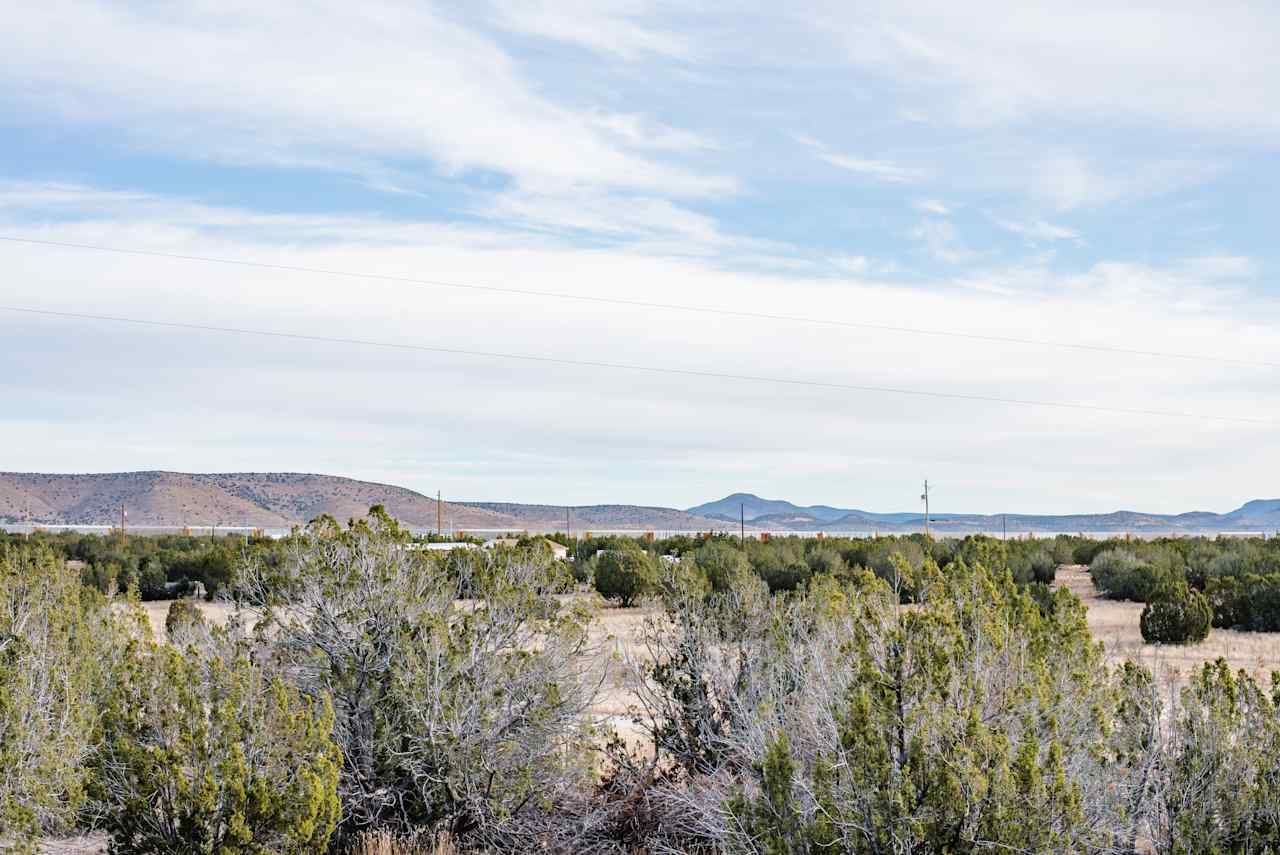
(626, 568)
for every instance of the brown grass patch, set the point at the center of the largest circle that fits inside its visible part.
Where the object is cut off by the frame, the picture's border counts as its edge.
(1115, 624)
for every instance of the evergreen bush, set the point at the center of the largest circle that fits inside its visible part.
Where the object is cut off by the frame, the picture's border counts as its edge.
(1176, 615)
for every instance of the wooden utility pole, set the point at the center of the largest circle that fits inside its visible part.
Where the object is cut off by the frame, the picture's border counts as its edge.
(925, 498)
(124, 536)
(742, 525)
(439, 515)
(568, 528)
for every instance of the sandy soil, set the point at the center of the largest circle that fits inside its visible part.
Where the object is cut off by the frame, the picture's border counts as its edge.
(1115, 624)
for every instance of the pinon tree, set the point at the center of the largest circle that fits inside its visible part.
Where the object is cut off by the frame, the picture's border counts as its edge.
(465, 714)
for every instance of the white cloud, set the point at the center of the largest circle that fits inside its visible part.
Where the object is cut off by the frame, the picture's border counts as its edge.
(1208, 67)
(327, 84)
(562, 433)
(942, 241)
(645, 133)
(1038, 231)
(861, 265)
(932, 206)
(611, 27)
(879, 170)
(1067, 181)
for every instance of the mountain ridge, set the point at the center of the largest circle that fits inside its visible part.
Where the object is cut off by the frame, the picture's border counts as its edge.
(158, 498)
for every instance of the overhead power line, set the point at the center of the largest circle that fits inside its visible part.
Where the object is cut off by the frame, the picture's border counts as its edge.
(634, 367)
(649, 304)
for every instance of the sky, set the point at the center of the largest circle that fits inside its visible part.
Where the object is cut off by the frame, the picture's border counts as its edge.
(886, 193)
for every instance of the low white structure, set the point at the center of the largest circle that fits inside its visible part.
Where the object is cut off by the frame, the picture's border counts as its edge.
(441, 547)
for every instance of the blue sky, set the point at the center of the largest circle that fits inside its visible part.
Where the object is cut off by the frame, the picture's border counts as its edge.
(1070, 172)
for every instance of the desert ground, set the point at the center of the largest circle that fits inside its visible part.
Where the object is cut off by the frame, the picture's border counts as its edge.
(614, 643)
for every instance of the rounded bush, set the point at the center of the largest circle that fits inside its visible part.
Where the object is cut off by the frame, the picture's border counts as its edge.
(624, 575)
(182, 613)
(1176, 615)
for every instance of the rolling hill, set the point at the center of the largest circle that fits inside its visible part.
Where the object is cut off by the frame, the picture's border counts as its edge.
(265, 500)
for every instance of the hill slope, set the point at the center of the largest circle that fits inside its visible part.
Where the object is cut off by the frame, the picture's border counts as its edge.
(267, 500)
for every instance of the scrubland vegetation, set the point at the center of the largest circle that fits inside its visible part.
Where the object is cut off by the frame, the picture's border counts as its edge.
(150, 563)
(897, 695)
(1190, 584)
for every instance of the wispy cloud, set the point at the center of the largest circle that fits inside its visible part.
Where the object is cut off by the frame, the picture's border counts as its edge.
(932, 206)
(612, 28)
(861, 265)
(1211, 68)
(942, 241)
(207, 86)
(879, 170)
(1038, 231)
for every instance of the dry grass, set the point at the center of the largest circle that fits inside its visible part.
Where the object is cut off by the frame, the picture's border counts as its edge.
(158, 610)
(94, 844)
(1115, 624)
(386, 843)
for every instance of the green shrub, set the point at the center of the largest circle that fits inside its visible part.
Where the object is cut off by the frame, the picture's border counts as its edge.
(447, 715)
(181, 615)
(826, 561)
(1121, 574)
(203, 754)
(1176, 615)
(57, 646)
(1223, 791)
(1044, 567)
(1226, 599)
(723, 564)
(625, 575)
(1259, 607)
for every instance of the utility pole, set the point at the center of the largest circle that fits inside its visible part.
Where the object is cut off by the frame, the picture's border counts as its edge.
(568, 527)
(1004, 526)
(439, 515)
(124, 537)
(742, 525)
(925, 498)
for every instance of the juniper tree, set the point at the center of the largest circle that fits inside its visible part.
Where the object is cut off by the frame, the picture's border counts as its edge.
(204, 753)
(58, 646)
(462, 714)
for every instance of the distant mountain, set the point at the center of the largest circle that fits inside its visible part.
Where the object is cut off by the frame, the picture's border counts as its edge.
(282, 499)
(600, 517)
(259, 499)
(755, 508)
(1257, 515)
